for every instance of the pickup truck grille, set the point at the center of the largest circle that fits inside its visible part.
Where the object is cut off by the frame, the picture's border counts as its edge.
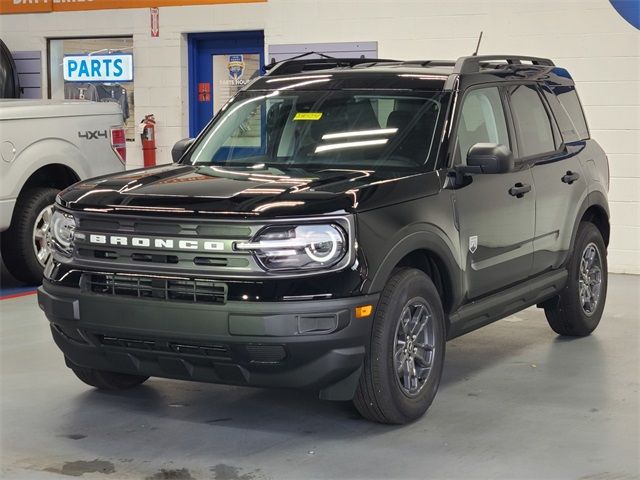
(155, 287)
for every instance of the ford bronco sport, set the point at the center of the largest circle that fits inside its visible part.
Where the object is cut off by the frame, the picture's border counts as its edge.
(333, 226)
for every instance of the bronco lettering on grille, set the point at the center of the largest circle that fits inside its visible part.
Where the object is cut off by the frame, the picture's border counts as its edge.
(164, 243)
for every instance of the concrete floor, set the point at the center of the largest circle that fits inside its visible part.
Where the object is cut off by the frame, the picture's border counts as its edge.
(515, 402)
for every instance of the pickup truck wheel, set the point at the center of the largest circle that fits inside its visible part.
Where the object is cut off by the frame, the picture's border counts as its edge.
(104, 380)
(403, 365)
(25, 250)
(576, 312)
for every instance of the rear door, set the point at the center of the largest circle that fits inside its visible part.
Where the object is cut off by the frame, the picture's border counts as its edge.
(557, 174)
(496, 226)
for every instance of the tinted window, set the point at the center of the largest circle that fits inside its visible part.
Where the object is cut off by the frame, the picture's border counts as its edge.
(569, 100)
(324, 128)
(481, 121)
(567, 128)
(535, 134)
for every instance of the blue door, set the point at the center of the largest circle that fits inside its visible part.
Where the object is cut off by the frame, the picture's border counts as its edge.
(219, 65)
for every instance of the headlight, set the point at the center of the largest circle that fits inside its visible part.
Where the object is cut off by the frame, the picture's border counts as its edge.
(63, 227)
(303, 247)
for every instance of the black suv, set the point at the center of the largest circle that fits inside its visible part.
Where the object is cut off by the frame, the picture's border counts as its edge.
(333, 226)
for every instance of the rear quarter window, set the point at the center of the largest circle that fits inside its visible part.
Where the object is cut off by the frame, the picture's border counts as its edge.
(535, 133)
(568, 130)
(568, 98)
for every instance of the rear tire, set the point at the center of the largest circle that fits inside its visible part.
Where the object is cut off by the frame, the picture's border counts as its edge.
(397, 386)
(19, 243)
(104, 380)
(576, 312)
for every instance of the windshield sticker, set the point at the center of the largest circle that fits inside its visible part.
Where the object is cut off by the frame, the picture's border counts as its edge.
(313, 116)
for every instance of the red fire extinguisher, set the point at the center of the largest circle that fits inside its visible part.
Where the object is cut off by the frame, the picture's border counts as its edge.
(148, 136)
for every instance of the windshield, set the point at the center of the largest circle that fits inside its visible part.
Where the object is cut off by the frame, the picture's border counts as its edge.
(336, 128)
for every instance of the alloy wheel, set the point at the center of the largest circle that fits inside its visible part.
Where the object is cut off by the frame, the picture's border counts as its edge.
(414, 347)
(41, 245)
(590, 279)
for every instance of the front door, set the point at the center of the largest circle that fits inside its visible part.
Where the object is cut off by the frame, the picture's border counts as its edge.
(496, 225)
(220, 64)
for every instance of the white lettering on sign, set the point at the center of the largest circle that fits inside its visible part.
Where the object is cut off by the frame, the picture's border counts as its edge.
(98, 68)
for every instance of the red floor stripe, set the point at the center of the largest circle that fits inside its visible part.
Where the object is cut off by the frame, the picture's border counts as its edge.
(16, 295)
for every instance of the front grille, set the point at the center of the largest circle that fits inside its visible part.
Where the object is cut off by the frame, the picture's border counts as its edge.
(155, 287)
(137, 248)
(209, 351)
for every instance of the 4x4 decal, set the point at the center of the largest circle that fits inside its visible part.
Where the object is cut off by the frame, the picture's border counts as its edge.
(93, 134)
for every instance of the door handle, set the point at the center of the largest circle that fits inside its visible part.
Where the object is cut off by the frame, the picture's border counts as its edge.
(519, 189)
(570, 177)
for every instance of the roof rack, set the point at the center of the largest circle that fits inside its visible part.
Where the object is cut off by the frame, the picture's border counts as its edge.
(464, 65)
(428, 63)
(472, 63)
(299, 64)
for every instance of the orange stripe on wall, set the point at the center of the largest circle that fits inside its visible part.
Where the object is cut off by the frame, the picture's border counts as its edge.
(12, 6)
(42, 6)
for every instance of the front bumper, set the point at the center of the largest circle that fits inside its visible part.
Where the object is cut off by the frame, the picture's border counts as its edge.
(315, 345)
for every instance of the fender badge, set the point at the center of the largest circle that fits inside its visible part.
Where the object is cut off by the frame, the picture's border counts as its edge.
(473, 243)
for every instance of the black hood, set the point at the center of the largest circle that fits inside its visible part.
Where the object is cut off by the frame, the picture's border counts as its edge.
(245, 192)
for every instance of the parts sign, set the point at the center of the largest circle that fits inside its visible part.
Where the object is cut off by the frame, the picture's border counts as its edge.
(98, 68)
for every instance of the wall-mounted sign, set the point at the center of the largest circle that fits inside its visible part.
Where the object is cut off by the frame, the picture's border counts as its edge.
(98, 68)
(155, 21)
(204, 92)
(230, 74)
(35, 6)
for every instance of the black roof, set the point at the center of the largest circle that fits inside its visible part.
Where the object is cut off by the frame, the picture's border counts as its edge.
(339, 73)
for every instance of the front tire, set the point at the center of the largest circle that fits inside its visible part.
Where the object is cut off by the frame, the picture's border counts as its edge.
(576, 312)
(103, 380)
(403, 365)
(25, 250)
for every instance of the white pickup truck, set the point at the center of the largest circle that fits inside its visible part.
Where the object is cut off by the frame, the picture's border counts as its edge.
(46, 146)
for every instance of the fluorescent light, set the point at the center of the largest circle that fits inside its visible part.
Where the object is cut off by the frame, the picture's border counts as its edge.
(303, 84)
(360, 133)
(340, 146)
(421, 76)
(300, 77)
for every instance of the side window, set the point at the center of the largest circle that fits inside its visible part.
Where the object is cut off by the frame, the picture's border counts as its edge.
(569, 100)
(532, 121)
(481, 121)
(568, 130)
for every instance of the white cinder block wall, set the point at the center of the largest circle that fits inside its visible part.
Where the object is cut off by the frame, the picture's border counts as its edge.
(599, 48)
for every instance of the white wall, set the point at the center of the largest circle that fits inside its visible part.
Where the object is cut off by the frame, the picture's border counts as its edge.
(588, 37)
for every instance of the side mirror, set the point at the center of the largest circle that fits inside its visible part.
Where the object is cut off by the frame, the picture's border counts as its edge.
(489, 158)
(180, 147)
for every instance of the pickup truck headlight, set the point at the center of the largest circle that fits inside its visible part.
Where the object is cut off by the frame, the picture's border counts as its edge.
(63, 227)
(302, 247)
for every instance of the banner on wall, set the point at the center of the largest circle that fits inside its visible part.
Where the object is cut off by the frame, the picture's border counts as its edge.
(43, 6)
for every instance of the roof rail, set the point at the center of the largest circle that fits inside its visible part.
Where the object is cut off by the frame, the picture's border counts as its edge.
(297, 65)
(471, 64)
